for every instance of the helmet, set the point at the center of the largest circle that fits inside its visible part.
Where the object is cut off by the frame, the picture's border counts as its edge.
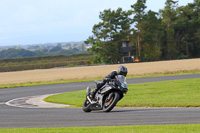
(122, 70)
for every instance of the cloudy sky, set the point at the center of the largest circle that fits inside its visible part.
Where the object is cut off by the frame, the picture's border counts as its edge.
(42, 21)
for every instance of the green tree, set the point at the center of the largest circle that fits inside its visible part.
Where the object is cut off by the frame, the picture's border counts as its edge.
(194, 29)
(138, 10)
(168, 20)
(172, 33)
(81, 47)
(56, 49)
(16, 53)
(151, 36)
(187, 29)
(113, 28)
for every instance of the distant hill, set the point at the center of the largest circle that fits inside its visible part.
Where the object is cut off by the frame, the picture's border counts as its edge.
(47, 49)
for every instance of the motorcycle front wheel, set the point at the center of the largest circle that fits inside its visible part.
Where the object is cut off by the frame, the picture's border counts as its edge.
(86, 106)
(110, 101)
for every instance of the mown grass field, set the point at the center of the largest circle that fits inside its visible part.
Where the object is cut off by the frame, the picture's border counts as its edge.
(114, 129)
(176, 93)
(98, 72)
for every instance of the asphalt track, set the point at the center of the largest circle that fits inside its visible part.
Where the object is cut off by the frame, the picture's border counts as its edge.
(15, 117)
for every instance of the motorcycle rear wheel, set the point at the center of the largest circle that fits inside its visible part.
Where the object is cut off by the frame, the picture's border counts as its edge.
(86, 106)
(109, 105)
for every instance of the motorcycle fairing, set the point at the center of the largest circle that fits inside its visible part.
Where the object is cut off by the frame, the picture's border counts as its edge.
(108, 88)
(95, 106)
(100, 95)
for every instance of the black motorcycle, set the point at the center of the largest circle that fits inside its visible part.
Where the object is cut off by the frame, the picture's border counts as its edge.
(107, 96)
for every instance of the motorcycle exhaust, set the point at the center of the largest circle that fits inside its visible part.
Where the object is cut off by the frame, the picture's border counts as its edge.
(89, 99)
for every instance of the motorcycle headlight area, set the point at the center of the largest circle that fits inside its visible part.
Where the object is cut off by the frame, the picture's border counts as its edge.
(124, 85)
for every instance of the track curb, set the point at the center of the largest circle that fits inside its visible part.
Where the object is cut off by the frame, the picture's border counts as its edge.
(34, 102)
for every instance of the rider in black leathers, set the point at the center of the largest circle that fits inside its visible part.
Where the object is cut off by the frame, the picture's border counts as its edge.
(122, 70)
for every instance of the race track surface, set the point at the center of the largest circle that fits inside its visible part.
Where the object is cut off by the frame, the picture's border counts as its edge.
(15, 117)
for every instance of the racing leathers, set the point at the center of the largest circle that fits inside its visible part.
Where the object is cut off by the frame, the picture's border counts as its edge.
(103, 82)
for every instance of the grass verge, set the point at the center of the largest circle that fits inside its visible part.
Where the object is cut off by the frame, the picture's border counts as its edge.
(61, 81)
(176, 93)
(113, 129)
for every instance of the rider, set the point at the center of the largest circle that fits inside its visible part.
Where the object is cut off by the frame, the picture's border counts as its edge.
(122, 70)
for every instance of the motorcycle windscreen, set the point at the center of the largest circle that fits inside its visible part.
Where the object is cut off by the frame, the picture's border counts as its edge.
(122, 80)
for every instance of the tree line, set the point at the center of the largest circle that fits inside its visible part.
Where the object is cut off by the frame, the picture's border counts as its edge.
(171, 33)
(41, 51)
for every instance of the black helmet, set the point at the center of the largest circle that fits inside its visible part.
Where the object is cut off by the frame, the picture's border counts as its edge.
(122, 70)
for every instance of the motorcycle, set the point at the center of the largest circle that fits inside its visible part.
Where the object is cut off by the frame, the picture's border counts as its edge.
(107, 96)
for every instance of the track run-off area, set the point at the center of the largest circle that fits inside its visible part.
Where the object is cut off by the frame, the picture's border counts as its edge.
(18, 117)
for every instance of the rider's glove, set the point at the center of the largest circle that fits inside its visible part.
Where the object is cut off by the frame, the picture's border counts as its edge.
(125, 90)
(107, 79)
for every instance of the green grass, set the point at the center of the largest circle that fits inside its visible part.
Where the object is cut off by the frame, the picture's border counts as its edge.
(73, 98)
(167, 73)
(84, 80)
(175, 93)
(113, 129)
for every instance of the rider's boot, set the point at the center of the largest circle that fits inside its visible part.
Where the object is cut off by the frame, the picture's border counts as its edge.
(92, 94)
